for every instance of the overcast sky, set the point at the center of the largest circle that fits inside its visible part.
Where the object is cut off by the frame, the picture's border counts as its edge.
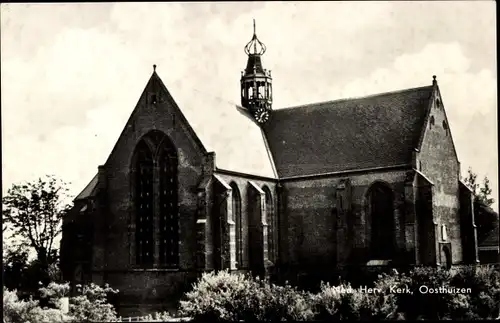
(71, 74)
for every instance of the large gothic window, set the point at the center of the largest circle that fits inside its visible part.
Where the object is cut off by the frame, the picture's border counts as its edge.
(380, 204)
(169, 226)
(271, 226)
(236, 216)
(144, 205)
(156, 201)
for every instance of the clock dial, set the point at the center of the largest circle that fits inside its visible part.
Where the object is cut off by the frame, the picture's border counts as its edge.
(261, 115)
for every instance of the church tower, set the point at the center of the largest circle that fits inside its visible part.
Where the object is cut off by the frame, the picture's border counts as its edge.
(256, 82)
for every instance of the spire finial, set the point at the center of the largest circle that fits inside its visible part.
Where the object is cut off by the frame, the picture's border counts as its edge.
(154, 67)
(255, 46)
(434, 79)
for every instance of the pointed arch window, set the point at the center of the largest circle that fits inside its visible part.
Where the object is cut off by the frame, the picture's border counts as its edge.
(155, 197)
(236, 216)
(271, 224)
(169, 225)
(381, 212)
(144, 204)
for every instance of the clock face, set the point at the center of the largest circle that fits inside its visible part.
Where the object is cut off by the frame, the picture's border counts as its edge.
(261, 115)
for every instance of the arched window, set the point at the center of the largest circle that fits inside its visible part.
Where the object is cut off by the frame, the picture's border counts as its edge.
(444, 232)
(155, 199)
(169, 225)
(271, 227)
(236, 216)
(143, 170)
(432, 121)
(381, 210)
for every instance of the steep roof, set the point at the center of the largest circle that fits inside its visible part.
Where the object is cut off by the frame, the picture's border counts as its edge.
(89, 190)
(374, 131)
(488, 236)
(222, 127)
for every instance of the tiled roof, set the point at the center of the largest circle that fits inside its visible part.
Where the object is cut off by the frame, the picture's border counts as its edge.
(89, 190)
(487, 237)
(375, 131)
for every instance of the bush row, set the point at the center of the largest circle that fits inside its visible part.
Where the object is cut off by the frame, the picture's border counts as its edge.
(423, 293)
(90, 305)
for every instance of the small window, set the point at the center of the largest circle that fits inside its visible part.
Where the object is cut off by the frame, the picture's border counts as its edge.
(438, 103)
(420, 165)
(153, 98)
(432, 121)
(445, 127)
(444, 233)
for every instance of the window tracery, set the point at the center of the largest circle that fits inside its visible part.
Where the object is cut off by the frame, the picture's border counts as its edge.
(156, 202)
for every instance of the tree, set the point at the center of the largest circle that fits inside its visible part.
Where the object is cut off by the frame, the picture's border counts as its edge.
(15, 262)
(33, 211)
(482, 193)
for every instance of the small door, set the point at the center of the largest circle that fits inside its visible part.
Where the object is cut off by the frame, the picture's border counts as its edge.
(446, 257)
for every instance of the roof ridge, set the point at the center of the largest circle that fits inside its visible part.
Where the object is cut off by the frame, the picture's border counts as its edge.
(355, 98)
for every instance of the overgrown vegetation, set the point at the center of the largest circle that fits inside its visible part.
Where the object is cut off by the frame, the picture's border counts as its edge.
(482, 193)
(423, 293)
(90, 305)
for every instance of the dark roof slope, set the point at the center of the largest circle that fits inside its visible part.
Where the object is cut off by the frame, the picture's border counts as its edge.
(89, 190)
(375, 131)
(488, 226)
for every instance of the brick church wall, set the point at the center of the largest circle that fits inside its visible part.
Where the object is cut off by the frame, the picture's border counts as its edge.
(438, 162)
(117, 219)
(309, 227)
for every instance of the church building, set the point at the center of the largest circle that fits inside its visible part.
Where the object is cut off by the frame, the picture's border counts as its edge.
(282, 192)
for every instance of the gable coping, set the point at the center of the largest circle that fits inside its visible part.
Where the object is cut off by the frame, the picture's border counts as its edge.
(223, 182)
(427, 116)
(171, 100)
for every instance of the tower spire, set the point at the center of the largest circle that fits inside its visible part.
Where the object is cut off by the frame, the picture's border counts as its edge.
(254, 37)
(256, 82)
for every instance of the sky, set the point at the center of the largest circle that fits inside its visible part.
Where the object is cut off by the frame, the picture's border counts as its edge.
(72, 73)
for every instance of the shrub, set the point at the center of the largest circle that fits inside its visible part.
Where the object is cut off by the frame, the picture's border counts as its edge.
(92, 304)
(418, 303)
(223, 296)
(270, 302)
(214, 294)
(54, 292)
(20, 311)
(344, 302)
(484, 284)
